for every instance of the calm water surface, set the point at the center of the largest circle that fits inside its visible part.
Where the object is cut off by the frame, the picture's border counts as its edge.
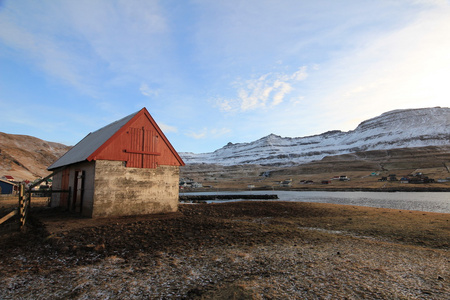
(423, 201)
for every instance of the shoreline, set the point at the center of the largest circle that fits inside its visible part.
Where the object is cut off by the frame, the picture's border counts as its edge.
(314, 189)
(427, 189)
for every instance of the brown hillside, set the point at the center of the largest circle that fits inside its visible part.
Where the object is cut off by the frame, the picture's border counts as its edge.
(27, 158)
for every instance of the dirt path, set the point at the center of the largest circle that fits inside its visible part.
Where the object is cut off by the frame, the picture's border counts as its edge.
(245, 250)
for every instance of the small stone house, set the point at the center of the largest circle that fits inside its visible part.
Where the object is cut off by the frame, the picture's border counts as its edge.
(125, 168)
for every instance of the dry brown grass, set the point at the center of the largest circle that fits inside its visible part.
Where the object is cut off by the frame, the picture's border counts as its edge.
(245, 250)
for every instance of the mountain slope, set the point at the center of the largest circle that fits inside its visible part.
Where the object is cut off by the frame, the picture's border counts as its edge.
(406, 128)
(27, 157)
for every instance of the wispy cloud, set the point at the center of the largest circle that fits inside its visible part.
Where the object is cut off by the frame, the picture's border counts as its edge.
(147, 91)
(46, 53)
(208, 133)
(167, 128)
(267, 91)
(197, 135)
(87, 44)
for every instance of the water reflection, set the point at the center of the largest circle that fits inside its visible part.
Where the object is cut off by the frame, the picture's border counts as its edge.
(422, 201)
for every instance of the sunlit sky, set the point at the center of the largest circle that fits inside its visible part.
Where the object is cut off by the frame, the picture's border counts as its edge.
(213, 72)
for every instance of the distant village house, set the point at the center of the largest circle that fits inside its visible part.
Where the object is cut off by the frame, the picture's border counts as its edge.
(286, 183)
(8, 177)
(189, 183)
(7, 187)
(125, 168)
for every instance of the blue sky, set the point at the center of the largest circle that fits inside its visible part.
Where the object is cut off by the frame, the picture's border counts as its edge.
(213, 72)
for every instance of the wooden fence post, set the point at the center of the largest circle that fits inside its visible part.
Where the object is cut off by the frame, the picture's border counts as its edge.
(21, 205)
(20, 199)
(24, 205)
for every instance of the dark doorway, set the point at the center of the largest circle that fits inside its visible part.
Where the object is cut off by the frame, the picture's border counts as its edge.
(77, 203)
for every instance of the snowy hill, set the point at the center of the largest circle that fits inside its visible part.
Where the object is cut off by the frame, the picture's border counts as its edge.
(406, 128)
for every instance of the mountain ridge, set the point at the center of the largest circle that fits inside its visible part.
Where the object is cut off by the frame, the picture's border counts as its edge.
(401, 128)
(27, 157)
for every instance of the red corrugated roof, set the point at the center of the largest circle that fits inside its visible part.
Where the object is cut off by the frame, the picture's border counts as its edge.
(94, 143)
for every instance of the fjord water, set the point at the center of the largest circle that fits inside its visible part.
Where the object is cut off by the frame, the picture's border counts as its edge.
(421, 201)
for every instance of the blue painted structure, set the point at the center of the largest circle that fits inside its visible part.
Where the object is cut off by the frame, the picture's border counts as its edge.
(6, 187)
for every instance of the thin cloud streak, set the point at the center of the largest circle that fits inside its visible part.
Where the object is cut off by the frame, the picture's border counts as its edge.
(147, 91)
(102, 31)
(205, 132)
(267, 91)
(167, 128)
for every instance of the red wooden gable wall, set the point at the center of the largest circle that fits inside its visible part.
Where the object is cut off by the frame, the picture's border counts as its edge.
(140, 143)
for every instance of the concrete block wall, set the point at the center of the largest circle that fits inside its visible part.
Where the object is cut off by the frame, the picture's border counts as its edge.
(121, 191)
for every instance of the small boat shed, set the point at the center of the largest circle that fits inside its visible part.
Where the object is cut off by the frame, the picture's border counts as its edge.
(125, 168)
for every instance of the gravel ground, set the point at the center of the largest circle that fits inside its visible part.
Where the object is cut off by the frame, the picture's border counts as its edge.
(245, 250)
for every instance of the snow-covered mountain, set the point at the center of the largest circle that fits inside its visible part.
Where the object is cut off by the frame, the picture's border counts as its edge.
(405, 128)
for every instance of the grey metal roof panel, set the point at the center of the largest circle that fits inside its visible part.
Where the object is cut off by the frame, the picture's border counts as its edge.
(84, 148)
(8, 182)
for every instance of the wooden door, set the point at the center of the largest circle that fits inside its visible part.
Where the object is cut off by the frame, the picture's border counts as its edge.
(143, 148)
(64, 197)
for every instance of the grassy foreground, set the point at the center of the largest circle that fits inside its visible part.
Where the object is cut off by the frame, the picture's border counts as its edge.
(243, 250)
